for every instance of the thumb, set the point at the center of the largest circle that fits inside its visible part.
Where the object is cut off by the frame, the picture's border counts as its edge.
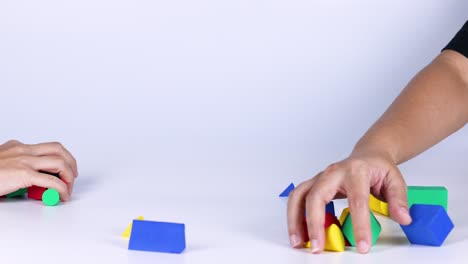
(395, 194)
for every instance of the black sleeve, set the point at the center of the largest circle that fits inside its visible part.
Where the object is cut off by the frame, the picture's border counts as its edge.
(460, 42)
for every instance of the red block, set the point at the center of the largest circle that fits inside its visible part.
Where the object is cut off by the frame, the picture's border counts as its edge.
(35, 192)
(305, 234)
(331, 219)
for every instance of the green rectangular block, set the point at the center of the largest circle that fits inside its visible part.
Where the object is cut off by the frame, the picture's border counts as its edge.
(435, 195)
(19, 192)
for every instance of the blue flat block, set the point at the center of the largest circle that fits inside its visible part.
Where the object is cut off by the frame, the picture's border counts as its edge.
(330, 208)
(286, 192)
(430, 226)
(157, 236)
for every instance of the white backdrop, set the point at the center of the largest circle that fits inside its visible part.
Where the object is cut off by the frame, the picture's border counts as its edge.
(203, 111)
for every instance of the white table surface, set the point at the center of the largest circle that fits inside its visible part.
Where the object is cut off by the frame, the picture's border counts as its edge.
(230, 216)
(202, 112)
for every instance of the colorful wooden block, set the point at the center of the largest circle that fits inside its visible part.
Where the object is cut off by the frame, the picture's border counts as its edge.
(378, 206)
(330, 207)
(435, 195)
(286, 191)
(51, 197)
(331, 219)
(35, 192)
(334, 239)
(430, 226)
(17, 193)
(128, 230)
(348, 231)
(157, 236)
(305, 233)
(344, 215)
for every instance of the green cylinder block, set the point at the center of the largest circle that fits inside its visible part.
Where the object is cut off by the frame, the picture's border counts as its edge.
(50, 197)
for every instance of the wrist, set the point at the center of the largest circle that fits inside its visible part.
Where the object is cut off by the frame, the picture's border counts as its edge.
(367, 147)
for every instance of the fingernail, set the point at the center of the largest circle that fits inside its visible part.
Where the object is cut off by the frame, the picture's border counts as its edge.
(406, 216)
(362, 247)
(294, 240)
(314, 246)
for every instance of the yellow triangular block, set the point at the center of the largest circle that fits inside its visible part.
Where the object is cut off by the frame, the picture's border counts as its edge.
(128, 230)
(334, 239)
(343, 215)
(378, 206)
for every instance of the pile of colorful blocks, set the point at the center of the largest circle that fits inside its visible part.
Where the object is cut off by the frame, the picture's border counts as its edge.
(430, 224)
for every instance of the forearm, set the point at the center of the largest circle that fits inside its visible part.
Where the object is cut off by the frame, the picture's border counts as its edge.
(432, 106)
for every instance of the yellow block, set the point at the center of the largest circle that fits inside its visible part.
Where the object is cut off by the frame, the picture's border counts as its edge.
(128, 230)
(378, 206)
(343, 215)
(334, 239)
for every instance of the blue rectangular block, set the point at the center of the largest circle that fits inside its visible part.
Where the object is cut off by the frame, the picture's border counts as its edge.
(430, 226)
(157, 236)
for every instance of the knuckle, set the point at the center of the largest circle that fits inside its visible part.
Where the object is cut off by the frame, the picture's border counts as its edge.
(13, 142)
(57, 145)
(331, 168)
(19, 149)
(314, 194)
(356, 165)
(359, 202)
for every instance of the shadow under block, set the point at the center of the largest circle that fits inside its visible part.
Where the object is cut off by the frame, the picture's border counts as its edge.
(349, 233)
(430, 226)
(435, 195)
(378, 206)
(19, 192)
(35, 192)
(286, 191)
(157, 236)
(128, 230)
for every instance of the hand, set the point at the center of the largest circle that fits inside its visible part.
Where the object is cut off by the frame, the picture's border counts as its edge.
(355, 177)
(21, 166)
